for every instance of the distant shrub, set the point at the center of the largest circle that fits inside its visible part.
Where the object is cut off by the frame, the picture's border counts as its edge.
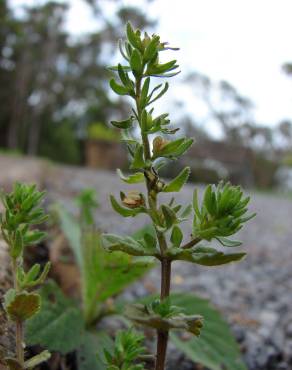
(101, 132)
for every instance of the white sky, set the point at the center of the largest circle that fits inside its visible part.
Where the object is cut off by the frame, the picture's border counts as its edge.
(242, 41)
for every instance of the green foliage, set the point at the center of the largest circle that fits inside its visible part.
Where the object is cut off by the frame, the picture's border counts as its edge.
(162, 316)
(98, 282)
(62, 326)
(21, 306)
(100, 131)
(216, 347)
(59, 324)
(127, 350)
(221, 214)
(57, 136)
(22, 213)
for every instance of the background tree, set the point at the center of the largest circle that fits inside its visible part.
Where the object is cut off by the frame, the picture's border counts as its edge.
(49, 81)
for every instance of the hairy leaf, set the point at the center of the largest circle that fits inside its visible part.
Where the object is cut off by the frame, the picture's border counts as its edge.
(178, 182)
(59, 325)
(90, 352)
(216, 348)
(140, 314)
(205, 256)
(22, 305)
(131, 179)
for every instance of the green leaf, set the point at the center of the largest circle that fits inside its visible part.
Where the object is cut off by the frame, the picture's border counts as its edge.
(169, 216)
(124, 77)
(216, 347)
(90, 352)
(59, 325)
(176, 236)
(229, 243)
(144, 92)
(22, 306)
(112, 242)
(183, 147)
(72, 232)
(99, 281)
(177, 183)
(118, 89)
(204, 256)
(37, 360)
(146, 316)
(136, 62)
(162, 92)
(125, 124)
(138, 160)
(151, 49)
(17, 245)
(116, 68)
(132, 37)
(175, 148)
(135, 178)
(125, 212)
(96, 265)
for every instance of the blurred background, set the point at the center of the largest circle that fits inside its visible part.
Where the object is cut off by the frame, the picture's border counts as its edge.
(233, 95)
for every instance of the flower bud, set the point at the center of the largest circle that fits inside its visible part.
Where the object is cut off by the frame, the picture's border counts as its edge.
(158, 144)
(134, 199)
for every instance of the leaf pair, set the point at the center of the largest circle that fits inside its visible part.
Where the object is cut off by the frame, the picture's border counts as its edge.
(143, 315)
(205, 256)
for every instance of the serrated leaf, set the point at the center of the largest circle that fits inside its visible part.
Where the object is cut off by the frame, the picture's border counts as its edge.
(216, 348)
(139, 314)
(178, 182)
(99, 283)
(23, 306)
(205, 256)
(135, 178)
(112, 242)
(90, 352)
(59, 325)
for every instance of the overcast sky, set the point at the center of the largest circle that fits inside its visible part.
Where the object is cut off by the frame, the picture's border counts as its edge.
(242, 41)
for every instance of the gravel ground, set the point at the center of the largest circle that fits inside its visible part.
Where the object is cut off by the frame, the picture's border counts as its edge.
(254, 295)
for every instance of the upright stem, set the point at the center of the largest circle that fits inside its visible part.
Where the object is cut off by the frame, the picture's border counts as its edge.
(19, 334)
(162, 335)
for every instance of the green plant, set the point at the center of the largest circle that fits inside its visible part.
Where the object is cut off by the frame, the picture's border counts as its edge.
(63, 324)
(127, 350)
(221, 213)
(22, 213)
